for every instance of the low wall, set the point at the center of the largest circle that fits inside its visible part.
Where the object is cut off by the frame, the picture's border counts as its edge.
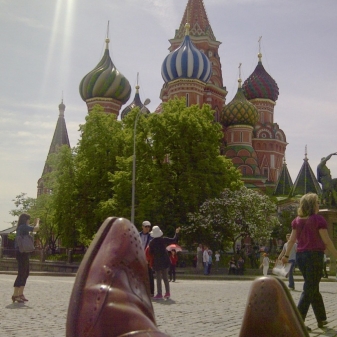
(8, 264)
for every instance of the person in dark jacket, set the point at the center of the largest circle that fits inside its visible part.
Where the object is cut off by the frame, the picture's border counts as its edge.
(23, 228)
(145, 237)
(161, 260)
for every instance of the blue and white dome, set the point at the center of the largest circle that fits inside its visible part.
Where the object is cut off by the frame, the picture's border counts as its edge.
(187, 61)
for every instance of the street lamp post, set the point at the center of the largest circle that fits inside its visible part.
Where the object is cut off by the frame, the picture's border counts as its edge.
(147, 101)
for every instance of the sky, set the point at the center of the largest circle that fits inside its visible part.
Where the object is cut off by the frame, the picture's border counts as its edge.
(47, 47)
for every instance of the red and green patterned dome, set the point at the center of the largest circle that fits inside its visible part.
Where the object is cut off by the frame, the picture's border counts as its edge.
(260, 84)
(239, 111)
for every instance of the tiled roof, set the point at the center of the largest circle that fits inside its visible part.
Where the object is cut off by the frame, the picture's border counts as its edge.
(284, 183)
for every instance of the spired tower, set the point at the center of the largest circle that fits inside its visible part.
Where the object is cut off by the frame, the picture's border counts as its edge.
(186, 71)
(60, 138)
(202, 37)
(105, 85)
(269, 141)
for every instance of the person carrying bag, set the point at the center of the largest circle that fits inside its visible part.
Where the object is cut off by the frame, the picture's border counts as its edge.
(23, 245)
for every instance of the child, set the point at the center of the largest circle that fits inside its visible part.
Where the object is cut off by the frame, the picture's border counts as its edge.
(265, 264)
(173, 264)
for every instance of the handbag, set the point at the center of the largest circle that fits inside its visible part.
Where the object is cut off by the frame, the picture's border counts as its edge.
(25, 243)
(282, 269)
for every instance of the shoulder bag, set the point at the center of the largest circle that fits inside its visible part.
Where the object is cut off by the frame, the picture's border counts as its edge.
(25, 243)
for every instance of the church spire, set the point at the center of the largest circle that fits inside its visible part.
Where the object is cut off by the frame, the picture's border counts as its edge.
(60, 138)
(195, 14)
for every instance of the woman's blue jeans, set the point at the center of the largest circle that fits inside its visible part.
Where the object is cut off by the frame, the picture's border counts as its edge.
(310, 264)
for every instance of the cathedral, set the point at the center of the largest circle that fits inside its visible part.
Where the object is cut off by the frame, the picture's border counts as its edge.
(192, 69)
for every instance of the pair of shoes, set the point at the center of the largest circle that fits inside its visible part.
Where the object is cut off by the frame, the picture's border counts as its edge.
(17, 299)
(173, 280)
(167, 296)
(158, 297)
(321, 324)
(23, 298)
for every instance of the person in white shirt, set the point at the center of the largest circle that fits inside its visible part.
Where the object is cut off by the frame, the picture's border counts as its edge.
(291, 260)
(205, 260)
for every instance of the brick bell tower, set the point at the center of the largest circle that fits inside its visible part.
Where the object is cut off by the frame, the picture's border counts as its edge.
(202, 37)
(269, 141)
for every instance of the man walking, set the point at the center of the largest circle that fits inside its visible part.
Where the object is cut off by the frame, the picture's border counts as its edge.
(145, 237)
(291, 260)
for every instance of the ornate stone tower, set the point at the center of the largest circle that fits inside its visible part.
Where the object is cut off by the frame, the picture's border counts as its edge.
(105, 85)
(60, 138)
(202, 37)
(269, 141)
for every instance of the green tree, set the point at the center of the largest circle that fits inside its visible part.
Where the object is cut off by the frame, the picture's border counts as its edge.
(64, 197)
(23, 204)
(178, 165)
(41, 208)
(100, 144)
(220, 222)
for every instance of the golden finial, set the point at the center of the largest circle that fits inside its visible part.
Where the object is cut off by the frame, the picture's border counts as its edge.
(187, 29)
(137, 86)
(107, 40)
(240, 80)
(259, 55)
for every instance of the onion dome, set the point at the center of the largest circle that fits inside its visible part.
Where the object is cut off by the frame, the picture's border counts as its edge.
(260, 84)
(239, 111)
(187, 61)
(135, 103)
(105, 81)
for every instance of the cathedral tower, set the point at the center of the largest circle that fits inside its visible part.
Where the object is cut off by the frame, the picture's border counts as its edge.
(202, 37)
(60, 138)
(269, 141)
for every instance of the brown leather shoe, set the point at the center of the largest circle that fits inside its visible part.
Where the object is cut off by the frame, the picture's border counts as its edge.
(111, 294)
(271, 311)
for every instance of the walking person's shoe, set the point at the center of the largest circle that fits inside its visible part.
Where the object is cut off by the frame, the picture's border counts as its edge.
(167, 296)
(158, 297)
(321, 324)
(17, 299)
(111, 295)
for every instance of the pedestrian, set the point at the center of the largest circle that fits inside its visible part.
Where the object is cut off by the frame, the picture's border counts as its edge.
(199, 257)
(310, 231)
(205, 260)
(161, 260)
(22, 229)
(173, 264)
(210, 261)
(265, 264)
(291, 260)
(217, 259)
(240, 265)
(145, 238)
(232, 267)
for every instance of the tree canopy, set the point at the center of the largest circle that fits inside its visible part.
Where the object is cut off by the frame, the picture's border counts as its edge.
(233, 215)
(178, 165)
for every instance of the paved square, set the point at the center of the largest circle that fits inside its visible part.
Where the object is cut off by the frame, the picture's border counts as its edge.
(211, 308)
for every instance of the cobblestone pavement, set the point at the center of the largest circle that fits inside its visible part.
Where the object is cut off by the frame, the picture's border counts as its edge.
(209, 308)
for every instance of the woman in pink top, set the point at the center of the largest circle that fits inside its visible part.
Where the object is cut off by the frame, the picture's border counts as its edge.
(310, 231)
